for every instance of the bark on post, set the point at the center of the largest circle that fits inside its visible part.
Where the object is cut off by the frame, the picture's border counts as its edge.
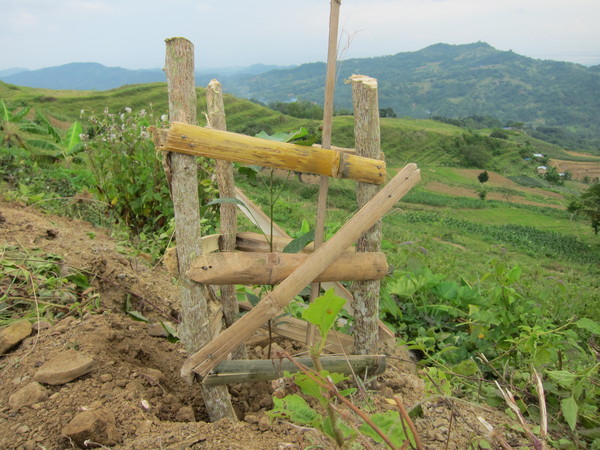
(366, 134)
(224, 170)
(195, 327)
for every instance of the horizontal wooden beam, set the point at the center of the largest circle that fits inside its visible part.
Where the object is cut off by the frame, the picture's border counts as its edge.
(271, 305)
(272, 268)
(224, 145)
(246, 371)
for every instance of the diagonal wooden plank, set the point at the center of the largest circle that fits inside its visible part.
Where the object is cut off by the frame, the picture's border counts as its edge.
(272, 304)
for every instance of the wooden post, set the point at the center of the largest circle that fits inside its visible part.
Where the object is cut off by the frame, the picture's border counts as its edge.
(272, 304)
(195, 327)
(367, 139)
(224, 170)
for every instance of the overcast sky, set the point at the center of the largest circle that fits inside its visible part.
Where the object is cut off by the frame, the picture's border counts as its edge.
(131, 33)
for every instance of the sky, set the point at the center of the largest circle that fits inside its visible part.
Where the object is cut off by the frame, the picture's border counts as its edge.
(228, 33)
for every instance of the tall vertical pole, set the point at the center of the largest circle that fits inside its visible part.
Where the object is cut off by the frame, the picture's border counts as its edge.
(334, 16)
(195, 326)
(367, 143)
(228, 213)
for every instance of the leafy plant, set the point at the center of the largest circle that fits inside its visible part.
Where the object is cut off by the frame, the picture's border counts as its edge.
(490, 330)
(320, 385)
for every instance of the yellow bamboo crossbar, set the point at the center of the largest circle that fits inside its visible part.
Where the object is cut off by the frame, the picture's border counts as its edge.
(223, 145)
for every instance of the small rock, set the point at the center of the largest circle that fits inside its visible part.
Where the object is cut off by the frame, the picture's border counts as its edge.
(13, 334)
(41, 325)
(157, 330)
(96, 426)
(386, 392)
(23, 429)
(185, 414)
(250, 418)
(144, 428)
(153, 376)
(65, 367)
(105, 377)
(264, 423)
(28, 395)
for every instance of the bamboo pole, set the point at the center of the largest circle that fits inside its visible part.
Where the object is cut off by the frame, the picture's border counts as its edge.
(367, 142)
(272, 304)
(334, 15)
(228, 211)
(271, 268)
(201, 141)
(246, 371)
(194, 330)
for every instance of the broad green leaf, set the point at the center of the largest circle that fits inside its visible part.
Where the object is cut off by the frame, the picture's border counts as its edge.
(73, 137)
(138, 316)
(284, 137)
(295, 409)
(468, 367)
(589, 325)
(4, 113)
(324, 311)
(48, 126)
(18, 116)
(514, 275)
(569, 409)
(296, 245)
(446, 290)
(562, 377)
(390, 424)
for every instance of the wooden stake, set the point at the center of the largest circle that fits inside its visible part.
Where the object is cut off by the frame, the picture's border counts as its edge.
(367, 138)
(247, 371)
(272, 268)
(194, 330)
(272, 304)
(224, 171)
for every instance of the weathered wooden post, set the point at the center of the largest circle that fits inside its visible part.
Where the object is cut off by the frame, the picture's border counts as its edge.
(367, 142)
(195, 327)
(224, 170)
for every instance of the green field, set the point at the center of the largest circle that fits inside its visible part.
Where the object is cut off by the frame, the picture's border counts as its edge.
(517, 260)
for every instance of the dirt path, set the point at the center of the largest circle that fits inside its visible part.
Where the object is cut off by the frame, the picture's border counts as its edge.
(134, 380)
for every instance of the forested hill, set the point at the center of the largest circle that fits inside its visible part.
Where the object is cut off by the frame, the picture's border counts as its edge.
(453, 81)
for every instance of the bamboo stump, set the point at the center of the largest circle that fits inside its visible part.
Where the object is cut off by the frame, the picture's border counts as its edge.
(367, 138)
(195, 327)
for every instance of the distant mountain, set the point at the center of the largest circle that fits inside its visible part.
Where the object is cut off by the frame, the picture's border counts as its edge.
(12, 71)
(83, 76)
(94, 76)
(452, 81)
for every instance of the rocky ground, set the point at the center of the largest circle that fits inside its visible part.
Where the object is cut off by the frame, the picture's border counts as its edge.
(98, 378)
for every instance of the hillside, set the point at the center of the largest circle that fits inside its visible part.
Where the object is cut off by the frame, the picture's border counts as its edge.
(558, 101)
(510, 275)
(455, 81)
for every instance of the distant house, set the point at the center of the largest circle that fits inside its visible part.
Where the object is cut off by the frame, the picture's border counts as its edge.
(538, 155)
(541, 170)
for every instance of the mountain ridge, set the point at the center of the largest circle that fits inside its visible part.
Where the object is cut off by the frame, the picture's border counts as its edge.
(441, 80)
